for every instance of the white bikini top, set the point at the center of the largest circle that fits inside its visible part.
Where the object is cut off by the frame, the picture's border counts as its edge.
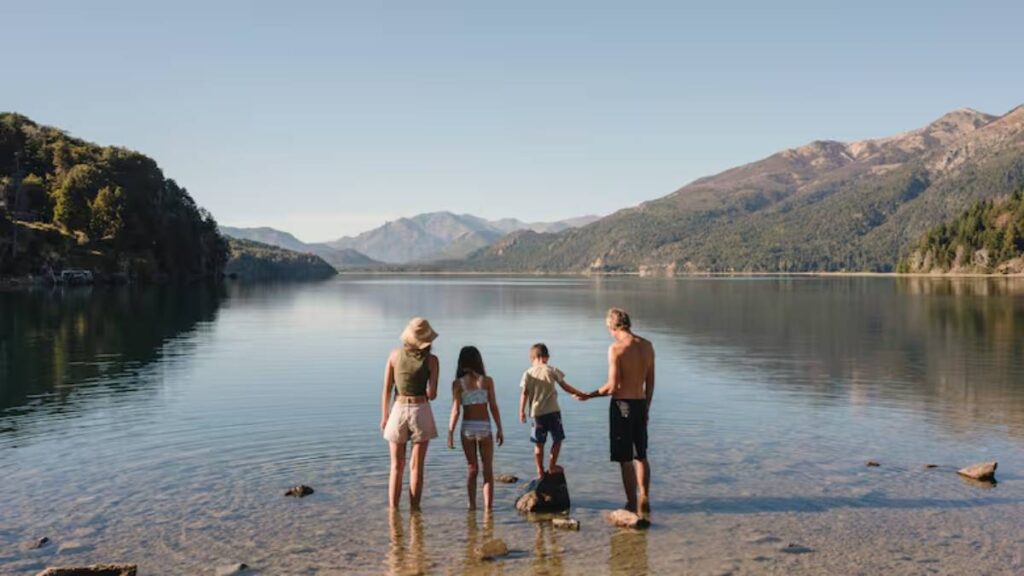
(472, 397)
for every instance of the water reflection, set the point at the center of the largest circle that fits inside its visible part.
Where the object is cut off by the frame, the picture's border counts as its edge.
(628, 553)
(407, 555)
(51, 342)
(547, 552)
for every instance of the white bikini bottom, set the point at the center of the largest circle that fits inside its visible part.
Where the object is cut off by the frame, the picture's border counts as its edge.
(476, 429)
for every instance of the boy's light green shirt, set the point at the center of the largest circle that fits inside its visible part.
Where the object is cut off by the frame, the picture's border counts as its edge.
(539, 384)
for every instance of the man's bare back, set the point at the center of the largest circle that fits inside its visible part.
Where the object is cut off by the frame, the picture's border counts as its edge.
(631, 363)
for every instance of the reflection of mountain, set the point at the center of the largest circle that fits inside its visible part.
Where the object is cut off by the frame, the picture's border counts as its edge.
(52, 343)
(955, 345)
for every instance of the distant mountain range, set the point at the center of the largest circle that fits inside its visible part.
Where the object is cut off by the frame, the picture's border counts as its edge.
(826, 206)
(441, 236)
(422, 238)
(340, 258)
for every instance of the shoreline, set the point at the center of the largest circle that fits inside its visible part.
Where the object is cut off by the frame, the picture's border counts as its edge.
(370, 272)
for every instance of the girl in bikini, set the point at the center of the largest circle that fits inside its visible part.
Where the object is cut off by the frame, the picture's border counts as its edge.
(473, 393)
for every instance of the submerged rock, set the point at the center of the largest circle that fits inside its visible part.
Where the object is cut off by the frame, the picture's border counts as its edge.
(299, 491)
(566, 523)
(627, 519)
(94, 570)
(930, 466)
(231, 569)
(36, 544)
(873, 464)
(984, 471)
(792, 548)
(492, 549)
(506, 479)
(548, 494)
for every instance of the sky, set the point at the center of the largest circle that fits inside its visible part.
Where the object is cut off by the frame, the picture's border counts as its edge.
(329, 118)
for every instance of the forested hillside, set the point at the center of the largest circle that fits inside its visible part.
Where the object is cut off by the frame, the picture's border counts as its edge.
(986, 238)
(255, 261)
(826, 206)
(66, 202)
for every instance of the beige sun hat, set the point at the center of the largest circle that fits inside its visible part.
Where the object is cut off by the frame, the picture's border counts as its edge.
(418, 334)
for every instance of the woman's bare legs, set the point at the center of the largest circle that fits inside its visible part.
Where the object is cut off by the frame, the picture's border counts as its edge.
(397, 470)
(487, 461)
(419, 456)
(469, 447)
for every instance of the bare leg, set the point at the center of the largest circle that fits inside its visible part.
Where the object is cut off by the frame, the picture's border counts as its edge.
(556, 448)
(538, 458)
(397, 471)
(419, 456)
(643, 479)
(629, 484)
(469, 447)
(487, 459)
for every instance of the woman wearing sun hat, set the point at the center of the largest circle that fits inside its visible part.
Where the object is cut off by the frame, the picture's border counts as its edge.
(411, 373)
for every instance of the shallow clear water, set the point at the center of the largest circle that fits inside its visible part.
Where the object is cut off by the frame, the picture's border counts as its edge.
(160, 427)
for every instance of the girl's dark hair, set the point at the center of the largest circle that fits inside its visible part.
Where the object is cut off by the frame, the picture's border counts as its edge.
(470, 360)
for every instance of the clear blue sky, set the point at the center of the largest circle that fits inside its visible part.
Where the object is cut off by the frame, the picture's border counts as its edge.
(327, 118)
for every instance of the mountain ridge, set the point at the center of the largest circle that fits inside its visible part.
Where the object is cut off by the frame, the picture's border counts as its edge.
(824, 206)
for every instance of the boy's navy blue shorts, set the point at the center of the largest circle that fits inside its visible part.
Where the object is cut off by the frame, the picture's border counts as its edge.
(547, 424)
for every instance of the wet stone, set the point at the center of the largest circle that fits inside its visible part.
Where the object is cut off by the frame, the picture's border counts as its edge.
(873, 464)
(230, 569)
(492, 549)
(983, 471)
(627, 519)
(93, 570)
(792, 548)
(299, 491)
(566, 523)
(36, 544)
(506, 479)
(548, 494)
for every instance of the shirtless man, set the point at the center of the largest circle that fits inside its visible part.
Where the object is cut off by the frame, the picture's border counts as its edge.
(631, 386)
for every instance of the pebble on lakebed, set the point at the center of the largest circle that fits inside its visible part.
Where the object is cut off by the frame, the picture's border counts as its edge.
(36, 544)
(506, 479)
(566, 523)
(299, 491)
(232, 569)
(873, 464)
(94, 570)
(492, 549)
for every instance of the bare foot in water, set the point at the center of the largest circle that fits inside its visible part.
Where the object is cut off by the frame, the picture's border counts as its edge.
(645, 505)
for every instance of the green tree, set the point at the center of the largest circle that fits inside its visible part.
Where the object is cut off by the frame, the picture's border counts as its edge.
(72, 196)
(107, 214)
(34, 197)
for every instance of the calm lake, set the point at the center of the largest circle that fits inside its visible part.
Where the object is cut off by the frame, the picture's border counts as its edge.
(161, 427)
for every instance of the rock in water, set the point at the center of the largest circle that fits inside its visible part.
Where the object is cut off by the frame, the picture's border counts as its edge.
(492, 549)
(299, 491)
(873, 464)
(94, 570)
(566, 523)
(548, 494)
(36, 544)
(231, 569)
(627, 519)
(506, 479)
(984, 471)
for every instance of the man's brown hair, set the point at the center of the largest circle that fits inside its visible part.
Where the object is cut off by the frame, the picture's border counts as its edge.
(618, 319)
(539, 350)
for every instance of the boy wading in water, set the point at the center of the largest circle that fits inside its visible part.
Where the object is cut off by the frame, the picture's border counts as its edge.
(631, 386)
(541, 397)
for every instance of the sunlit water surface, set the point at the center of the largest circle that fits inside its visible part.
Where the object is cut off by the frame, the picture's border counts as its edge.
(160, 427)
